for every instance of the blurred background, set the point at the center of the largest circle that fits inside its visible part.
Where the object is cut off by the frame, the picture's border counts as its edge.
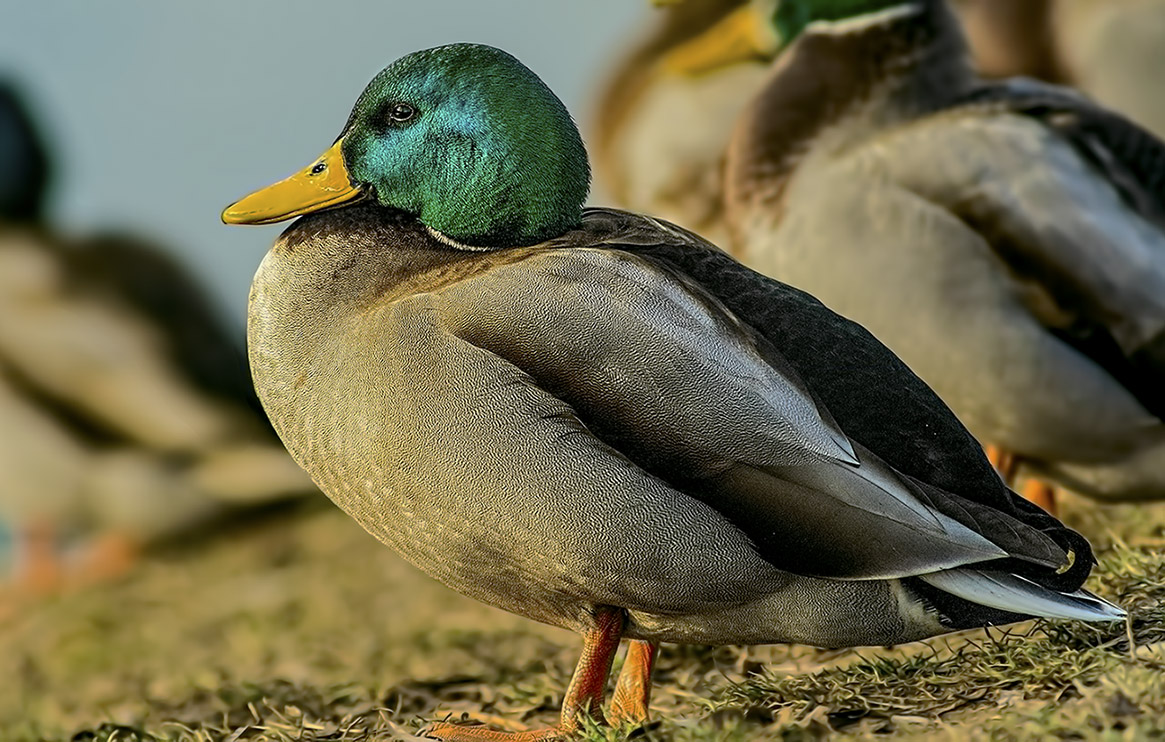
(127, 421)
(160, 114)
(127, 418)
(124, 393)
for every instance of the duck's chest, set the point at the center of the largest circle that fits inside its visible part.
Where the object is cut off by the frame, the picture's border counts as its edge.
(359, 400)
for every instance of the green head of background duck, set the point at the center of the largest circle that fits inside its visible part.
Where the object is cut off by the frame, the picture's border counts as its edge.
(703, 64)
(25, 163)
(791, 17)
(842, 68)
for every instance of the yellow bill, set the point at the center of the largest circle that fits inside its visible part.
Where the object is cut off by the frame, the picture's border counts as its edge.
(741, 36)
(323, 184)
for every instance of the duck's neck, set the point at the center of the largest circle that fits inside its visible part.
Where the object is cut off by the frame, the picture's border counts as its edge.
(1012, 37)
(327, 268)
(840, 82)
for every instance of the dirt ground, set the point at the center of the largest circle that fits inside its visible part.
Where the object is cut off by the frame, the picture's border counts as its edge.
(299, 626)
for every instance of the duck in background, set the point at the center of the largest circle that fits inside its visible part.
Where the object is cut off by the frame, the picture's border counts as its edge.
(1010, 38)
(603, 422)
(666, 112)
(126, 411)
(27, 172)
(1005, 239)
(1113, 50)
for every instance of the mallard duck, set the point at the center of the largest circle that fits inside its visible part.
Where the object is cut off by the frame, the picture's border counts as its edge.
(109, 441)
(125, 405)
(667, 109)
(27, 165)
(1005, 239)
(600, 421)
(1010, 38)
(56, 483)
(1113, 50)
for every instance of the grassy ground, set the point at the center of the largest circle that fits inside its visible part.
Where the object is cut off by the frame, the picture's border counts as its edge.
(302, 627)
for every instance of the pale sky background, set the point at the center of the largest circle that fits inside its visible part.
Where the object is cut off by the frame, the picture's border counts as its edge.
(162, 112)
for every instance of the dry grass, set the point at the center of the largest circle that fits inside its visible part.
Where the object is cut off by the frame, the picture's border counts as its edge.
(304, 628)
(1050, 663)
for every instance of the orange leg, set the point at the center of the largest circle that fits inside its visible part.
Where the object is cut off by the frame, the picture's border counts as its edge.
(584, 695)
(39, 568)
(1007, 464)
(109, 556)
(1004, 462)
(1042, 494)
(633, 691)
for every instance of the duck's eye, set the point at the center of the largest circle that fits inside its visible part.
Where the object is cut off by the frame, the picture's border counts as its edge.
(399, 113)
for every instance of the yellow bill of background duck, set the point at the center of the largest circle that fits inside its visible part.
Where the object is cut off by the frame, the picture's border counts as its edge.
(741, 36)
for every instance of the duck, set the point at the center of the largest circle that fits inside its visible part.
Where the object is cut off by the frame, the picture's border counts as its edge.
(125, 405)
(115, 444)
(600, 421)
(1109, 49)
(667, 107)
(28, 162)
(1009, 39)
(1004, 238)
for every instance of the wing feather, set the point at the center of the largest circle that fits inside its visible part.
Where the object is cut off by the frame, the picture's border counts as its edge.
(679, 386)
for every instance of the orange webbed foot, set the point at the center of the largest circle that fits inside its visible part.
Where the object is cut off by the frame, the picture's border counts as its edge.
(1034, 490)
(1006, 463)
(584, 695)
(107, 557)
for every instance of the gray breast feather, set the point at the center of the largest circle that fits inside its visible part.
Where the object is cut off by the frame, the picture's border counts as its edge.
(504, 495)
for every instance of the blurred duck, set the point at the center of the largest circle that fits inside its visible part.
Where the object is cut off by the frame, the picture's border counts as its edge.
(667, 110)
(126, 412)
(1009, 38)
(27, 171)
(1004, 238)
(1113, 50)
(93, 353)
(57, 483)
(601, 421)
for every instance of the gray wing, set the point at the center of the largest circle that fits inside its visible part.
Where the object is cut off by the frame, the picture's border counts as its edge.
(1129, 156)
(1065, 196)
(670, 380)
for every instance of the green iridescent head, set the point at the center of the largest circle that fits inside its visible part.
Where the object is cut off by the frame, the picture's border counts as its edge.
(761, 29)
(791, 17)
(465, 137)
